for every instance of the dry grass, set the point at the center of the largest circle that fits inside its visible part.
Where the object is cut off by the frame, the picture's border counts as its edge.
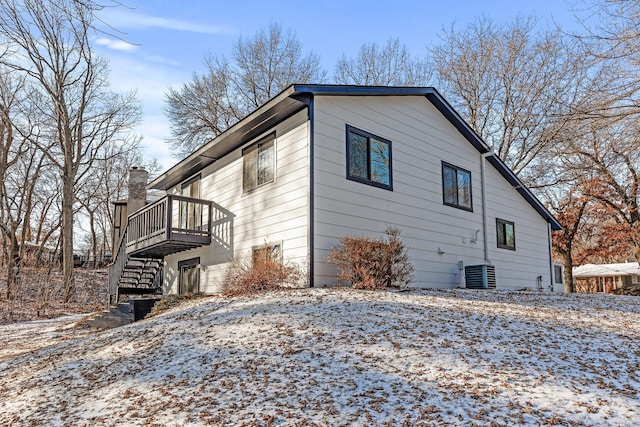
(170, 301)
(40, 295)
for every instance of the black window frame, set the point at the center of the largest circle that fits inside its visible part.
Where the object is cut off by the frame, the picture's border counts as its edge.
(270, 142)
(456, 204)
(501, 224)
(369, 136)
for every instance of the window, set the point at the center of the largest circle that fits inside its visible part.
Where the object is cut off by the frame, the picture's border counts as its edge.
(506, 234)
(557, 273)
(266, 253)
(368, 158)
(456, 187)
(258, 163)
(191, 188)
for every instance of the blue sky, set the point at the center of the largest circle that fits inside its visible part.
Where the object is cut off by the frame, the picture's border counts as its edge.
(157, 44)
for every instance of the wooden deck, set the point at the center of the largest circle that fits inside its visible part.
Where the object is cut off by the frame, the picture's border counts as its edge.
(169, 225)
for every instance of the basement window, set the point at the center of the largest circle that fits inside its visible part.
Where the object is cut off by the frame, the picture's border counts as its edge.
(266, 253)
(557, 274)
(258, 164)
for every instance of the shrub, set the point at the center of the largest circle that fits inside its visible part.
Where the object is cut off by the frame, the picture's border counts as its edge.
(370, 263)
(263, 271)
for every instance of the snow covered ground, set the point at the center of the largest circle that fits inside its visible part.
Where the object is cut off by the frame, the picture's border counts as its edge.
(339, 357)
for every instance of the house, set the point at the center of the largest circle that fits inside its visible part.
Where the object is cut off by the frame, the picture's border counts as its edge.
(592, 278)
(318, 162)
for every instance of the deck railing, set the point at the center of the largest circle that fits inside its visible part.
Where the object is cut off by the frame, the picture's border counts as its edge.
(171, 224)
(172, 218)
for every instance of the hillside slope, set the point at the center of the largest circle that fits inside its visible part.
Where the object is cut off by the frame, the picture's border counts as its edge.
(343, 357)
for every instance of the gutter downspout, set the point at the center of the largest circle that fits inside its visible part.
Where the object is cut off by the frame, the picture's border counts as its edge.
(550, 258)
(311, 196)
(485, 223)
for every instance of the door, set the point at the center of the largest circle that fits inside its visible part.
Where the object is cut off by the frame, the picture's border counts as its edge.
(189, 278)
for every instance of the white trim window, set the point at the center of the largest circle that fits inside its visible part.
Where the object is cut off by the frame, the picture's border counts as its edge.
(258, 164)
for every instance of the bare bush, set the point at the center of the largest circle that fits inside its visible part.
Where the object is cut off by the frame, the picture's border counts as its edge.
(373, 263)
(40, 292)
(263, 271)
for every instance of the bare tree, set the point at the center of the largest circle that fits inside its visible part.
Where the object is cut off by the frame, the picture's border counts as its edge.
(12, 149)
(106, 183)
(50, 46)
(607, 161)
(611, 32)
(519, 88)
(389, 65)
(259, 68)
(22, 163)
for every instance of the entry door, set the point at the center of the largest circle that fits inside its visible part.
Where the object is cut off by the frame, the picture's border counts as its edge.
(189, 276)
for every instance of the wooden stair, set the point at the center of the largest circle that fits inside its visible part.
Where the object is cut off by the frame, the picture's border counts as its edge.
(139, 276)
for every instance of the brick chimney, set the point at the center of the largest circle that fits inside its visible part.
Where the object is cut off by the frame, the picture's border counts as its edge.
(137, 189)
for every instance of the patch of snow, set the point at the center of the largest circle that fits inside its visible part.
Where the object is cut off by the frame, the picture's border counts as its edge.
(340, 357)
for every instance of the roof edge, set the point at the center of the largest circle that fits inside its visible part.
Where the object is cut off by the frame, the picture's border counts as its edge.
(286, 93)
(304, 94)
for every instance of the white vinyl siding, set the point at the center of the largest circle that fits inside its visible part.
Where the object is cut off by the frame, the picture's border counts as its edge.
(438, 236)
(517, 269)
(275, 212)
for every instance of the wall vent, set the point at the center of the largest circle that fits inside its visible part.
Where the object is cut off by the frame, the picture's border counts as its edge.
(480, 276)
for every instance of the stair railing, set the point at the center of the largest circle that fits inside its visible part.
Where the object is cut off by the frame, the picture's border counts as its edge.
(116, 268)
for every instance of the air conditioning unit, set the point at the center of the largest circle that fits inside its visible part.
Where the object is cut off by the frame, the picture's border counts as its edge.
(480, 276)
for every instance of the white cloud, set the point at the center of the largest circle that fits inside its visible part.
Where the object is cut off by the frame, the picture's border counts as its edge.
(155, 131)
(119, 18)
(161, 60)
(150, 81)
(116, 44)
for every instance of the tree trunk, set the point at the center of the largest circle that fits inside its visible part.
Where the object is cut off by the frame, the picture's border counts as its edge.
(13, 266)
(636, 252)
(68, 198)
(94, 238)
(569, 286)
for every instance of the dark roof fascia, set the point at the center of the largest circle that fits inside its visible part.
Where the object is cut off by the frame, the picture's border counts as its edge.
(350, 90)
(459, 123)
(430, 93)
(299, 96)
(277, 109)
(524, 191)
(454, 118)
